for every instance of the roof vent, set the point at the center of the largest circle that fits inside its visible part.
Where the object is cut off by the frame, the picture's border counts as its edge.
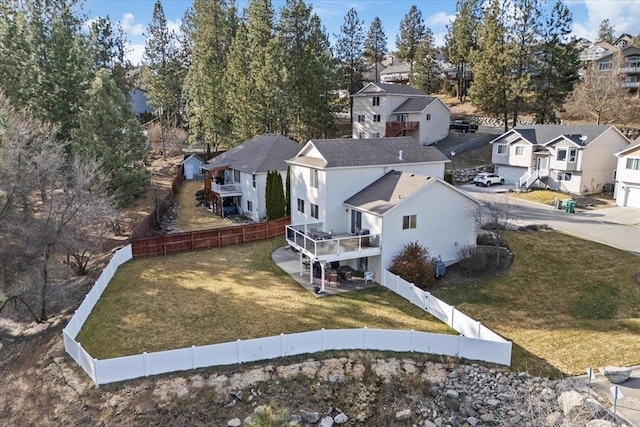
(583, 138)
(400, 155)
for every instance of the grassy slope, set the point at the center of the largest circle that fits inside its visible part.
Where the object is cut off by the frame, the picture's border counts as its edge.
(221, 295)
(566, 303)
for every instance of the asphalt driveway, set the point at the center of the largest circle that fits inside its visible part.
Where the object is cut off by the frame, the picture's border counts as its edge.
(615, 226)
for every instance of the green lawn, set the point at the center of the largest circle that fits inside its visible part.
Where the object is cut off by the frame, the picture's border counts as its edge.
(221, 295)
(567, 304)
(546, 197)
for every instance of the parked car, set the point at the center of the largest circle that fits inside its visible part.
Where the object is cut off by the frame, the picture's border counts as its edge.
(463, 126)
(487, 179)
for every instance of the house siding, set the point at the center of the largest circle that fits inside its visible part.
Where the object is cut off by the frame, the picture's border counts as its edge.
(599, 162)
(443, 228)
(436, 129)
(627, 188)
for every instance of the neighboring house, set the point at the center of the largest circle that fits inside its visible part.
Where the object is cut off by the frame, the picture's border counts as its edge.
(236, 179)
(396, 73)
(140, 102)
(575, 159)
(372, 72)
(627, 189)
(390, 110)
(624, 59)
(623, 41)
(192, 166)
(360, 202)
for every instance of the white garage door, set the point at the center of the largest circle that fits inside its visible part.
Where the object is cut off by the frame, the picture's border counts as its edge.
(633, 197)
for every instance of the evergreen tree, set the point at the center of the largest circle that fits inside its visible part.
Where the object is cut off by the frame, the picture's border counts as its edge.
(287, 193)
(411, 34)
(274, 196)
(165, 70)
(241, 88)
(460, 41)
(426, 75)
(558, 66)
(108, 46)
(349, 52)
(209, 27)
(492, 64)
(606, 32)
(121, 150)
(375, 44)
(523, 39)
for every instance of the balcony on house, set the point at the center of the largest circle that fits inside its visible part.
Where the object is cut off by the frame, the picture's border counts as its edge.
(227, 189)
(629, 70)
(319, 244)
(400, 128)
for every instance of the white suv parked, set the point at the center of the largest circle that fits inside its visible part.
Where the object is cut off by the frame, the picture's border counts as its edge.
(487, 179)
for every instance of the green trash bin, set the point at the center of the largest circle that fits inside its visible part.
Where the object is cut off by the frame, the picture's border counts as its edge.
(570, 206)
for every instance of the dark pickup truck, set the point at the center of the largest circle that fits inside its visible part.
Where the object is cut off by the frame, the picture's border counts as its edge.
(463, 126)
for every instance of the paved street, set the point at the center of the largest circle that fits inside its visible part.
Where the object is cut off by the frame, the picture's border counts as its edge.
(614, 226)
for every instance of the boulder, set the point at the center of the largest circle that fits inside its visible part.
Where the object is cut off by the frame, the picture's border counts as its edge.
(234, 423)
(616, 375)
(310, 417)
(600, 423)
(570, 400)
(326, 422)
(403, 415)
(341, 418)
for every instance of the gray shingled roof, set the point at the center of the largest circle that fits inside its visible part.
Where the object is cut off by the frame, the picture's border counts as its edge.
(402, 67)
(388, 191)
(365, 152)
(389, 89)
(261, 154)
(542, 134)
(413, 105)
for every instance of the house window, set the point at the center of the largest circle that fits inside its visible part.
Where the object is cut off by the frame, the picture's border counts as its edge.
(401, 117)
(572, 154)
(519, 151)
(633, 164)
(253, 181)
(314, 211)
(300, 205)
(375, 101)
(561, 155)
(564, 176)
(502, 149)
(249, 205)
(376, 118)
(236, 176)
(360, 118)
(603, 66)
(360, 135)
(408, 222)
(428, 116)
(376, 134)
(314, 178)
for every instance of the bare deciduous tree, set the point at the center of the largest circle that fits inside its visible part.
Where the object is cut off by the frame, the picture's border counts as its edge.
(496, 216)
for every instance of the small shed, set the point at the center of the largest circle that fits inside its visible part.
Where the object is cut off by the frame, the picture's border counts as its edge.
(193, 166)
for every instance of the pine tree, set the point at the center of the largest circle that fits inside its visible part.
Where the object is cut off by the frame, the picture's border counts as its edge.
(492, 64)
(375, 44)
(349, 52)
(426, 73)
(460, 41)
(121, 150)
(523, 39)
(240, 88)
(209, 28)
(557, 70)
(274, 196)
(411, 34)
(108, 46)
(606, 32)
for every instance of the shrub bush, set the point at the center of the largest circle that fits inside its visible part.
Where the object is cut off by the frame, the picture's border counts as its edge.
(415, 265)
(471, 259)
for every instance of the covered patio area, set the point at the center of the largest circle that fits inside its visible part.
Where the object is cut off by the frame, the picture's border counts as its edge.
(288, 260)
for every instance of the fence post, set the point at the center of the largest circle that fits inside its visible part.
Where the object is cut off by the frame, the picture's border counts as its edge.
(411, 345)
(322, 339)
(427, 302)
(145, 364)
(238, 351)
(95, 371)
(191, 234)
(194, 357)
(453, 310)
(281, 345)
(479, 329)
(364, 332)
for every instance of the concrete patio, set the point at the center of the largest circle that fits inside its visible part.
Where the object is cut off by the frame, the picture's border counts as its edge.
(288, 260)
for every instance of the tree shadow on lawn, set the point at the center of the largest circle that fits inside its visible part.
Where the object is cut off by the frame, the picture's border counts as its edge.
(525, 361)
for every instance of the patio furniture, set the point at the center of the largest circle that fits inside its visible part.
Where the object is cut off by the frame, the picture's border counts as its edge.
(332, 276)
(368, 275)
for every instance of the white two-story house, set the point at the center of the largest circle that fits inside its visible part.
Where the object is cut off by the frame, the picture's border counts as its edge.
(627, 189)
(358, 202)
(575, 159)
(236, 180)
(390, 110)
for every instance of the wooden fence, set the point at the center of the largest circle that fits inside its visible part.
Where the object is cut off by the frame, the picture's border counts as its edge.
(207, 239)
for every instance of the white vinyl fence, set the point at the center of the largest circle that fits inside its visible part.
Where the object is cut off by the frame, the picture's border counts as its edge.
(479, 344)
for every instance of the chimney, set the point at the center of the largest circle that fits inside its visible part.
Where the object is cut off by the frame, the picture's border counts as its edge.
(400, 155)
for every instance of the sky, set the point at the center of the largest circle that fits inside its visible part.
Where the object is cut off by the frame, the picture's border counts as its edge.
(134, 16)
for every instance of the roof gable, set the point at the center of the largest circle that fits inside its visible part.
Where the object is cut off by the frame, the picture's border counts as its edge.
(389, 89)
(371, 152)
(393, 189)
(258, 155)
(631, 151)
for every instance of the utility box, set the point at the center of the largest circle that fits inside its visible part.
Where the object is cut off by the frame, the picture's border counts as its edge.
(571, 206)
(440, 268)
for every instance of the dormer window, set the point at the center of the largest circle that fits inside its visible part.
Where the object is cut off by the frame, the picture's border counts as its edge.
(375, 101)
